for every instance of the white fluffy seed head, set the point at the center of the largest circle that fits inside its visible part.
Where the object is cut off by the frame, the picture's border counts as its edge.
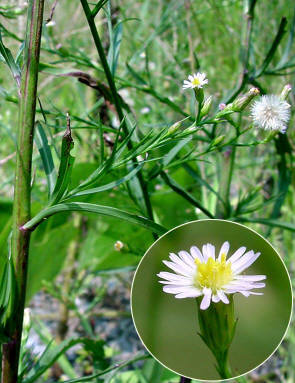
(271, 113)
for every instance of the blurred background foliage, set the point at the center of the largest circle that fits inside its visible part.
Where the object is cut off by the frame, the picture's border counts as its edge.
(78, 272)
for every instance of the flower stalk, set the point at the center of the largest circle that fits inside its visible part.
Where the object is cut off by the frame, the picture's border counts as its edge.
(22, 187)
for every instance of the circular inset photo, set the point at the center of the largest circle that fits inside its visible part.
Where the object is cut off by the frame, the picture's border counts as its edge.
(211, 300)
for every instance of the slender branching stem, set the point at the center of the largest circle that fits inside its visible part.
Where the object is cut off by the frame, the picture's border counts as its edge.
(116, 99)
(22, 187)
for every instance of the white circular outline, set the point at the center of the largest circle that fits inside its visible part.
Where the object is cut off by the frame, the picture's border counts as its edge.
(291, 311)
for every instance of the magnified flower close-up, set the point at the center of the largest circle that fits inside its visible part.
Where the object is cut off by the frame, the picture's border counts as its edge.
(198, 273)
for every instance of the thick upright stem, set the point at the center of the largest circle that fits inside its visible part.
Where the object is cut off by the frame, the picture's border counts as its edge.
(22, 186)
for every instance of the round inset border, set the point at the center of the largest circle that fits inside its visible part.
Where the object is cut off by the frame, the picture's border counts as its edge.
(226, 236)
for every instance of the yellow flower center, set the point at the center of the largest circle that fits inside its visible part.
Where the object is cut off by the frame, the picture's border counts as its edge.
(196, 82)
(214, 274)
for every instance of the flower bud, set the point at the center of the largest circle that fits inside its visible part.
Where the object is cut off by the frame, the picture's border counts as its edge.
(217, 140)
(173, 128)
(206, 106)
(285, 92)
(241, 103)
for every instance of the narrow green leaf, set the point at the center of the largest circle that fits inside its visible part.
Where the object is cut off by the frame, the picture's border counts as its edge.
(201, 181)
(8, 58)
(273, 48)
(115, 43)
(289, 44)
(65, 167)
(98, 209)
(98, 7)
(46, 157)
(110, 185)
(183, 193)
(135, 75)
(46, 337)
(7, 296)
(49, 357)
(115, 367)
(268, 222)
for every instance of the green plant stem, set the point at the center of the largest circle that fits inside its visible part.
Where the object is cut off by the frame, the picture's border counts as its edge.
(22, 187)
(226, 172)
(116, 99)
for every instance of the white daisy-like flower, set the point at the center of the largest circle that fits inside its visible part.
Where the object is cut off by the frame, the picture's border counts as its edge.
(197, 80)
(271, 113)
(198, 273)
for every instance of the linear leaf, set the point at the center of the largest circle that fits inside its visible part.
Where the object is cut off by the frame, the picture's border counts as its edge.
(65, 167)
(269, 222)
(98, 7)
(7, 56)
(46, 157)
(183, 193)
(98, 209)
(110, 185)
(116, 39)
(51, 355)
(273, 48)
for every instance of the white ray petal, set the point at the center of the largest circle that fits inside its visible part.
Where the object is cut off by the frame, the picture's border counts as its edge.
(177, 268)
(215, 298)
(248, 293)
(245, 263)
(206, 299)
(196, 253)
(222, 296)
(211, 250)
(172, 276)
(252, 278)
(205, 253)
(237, 254)
(224, 249)
(187, 258)
(178, 289)
(186, 282)
(188, 295)
(180, 262)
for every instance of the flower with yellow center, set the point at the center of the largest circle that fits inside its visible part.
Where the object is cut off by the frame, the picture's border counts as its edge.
(198, 273)
(197, 80)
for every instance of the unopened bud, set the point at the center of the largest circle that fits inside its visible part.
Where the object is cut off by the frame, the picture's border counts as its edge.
(285, 92)
(217, 140)
(243, 101)
(173, 128)
(206, 106)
